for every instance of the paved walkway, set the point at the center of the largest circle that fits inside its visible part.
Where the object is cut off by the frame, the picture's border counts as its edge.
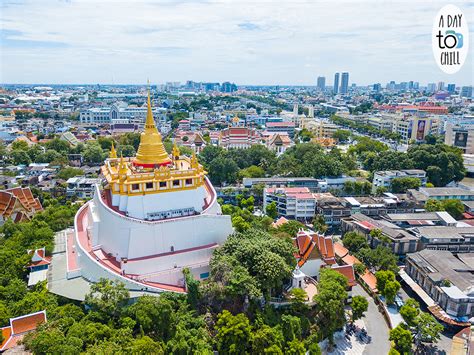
(352, 346)
(375, 325)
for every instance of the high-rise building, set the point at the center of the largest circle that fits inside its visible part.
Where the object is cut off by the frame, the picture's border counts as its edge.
(228, 87)
(451, 88)
(466, 91)
(416, 85)
(336, 83)
(391, 85)
(431, 87)
(321, 84)
(410, 85)
(344, 83)
(441, 86)
(377, 87)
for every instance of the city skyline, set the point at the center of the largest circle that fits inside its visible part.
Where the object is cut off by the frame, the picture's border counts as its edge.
(81, 42)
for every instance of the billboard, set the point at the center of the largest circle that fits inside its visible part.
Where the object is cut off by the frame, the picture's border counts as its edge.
(420, 131)
(460, 139)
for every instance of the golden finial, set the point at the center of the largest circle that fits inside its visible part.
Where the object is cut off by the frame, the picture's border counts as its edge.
(194, 161)
(176, 152)
(113, 153)
(122, 166)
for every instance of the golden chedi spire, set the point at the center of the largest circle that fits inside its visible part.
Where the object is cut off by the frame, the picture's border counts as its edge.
(113, 153)
(151, 151)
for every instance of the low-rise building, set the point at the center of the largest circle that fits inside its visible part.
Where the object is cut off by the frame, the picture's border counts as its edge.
(117, 113)
(291, 202)
(384, 178)
(81, 186)
(424, 194)
(281, 127)
(461, 137)
(238, 137)
(277, 181)
(332, 209)
(452, 238)
(396, 238)
(278, 142)
(447, 279)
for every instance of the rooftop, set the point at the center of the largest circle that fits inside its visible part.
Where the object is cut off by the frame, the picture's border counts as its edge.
(443, 265)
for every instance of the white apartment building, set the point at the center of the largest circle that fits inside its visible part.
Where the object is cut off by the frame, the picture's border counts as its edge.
(415, 128)
(384, 178)
(118, 113)
(291, 202)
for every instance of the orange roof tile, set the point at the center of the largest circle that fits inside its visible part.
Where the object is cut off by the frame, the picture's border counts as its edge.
(6, 333)
(280, 221)
(350, 260)
(27, 323)
(370, 280)
(18, 327)
(340, 250)
(348, 272)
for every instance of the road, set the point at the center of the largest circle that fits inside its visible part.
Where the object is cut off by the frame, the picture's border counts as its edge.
(377, 328)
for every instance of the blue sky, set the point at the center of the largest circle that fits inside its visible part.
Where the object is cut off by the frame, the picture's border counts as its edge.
(248, 42)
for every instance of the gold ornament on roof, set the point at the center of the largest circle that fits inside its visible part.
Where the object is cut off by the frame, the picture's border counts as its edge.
(113, 153)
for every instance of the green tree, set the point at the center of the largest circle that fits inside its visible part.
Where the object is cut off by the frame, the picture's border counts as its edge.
(359, 306)
(291, 227)
(265, 338)
(234, 333)
(354, 241)
(410, 311)
(69, 172)
(222, 170)
(402, 184)
(319, 224)
(390, 291)
(251, 172)
(342, 135)
(240, 224)
(271, 210)
(433, 205)
(427, 328)
(20, 157)
(107, 298)
(146, 345)
(93, 153)
(298, 299)
(330, 301)
(126, 150)
(454, 207)
(402, 339)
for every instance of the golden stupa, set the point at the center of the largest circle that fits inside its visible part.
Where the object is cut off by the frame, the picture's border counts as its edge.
(151, 151)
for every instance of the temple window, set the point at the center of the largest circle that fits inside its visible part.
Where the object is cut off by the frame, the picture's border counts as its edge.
(175, 182)
(135, 187)
(189, 181)
(162, 184)
(149, 185)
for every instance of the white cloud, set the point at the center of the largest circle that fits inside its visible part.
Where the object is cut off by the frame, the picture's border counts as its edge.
(264, 42)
